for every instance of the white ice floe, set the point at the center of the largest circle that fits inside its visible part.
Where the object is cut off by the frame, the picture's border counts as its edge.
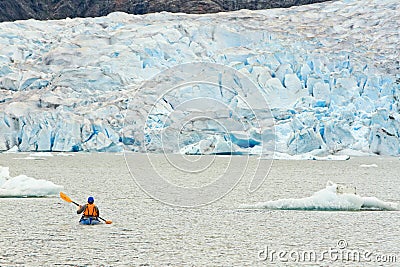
(62, 154)
(333, 197)
(368, 166)
(41, 154)
(30, 158)
(24, 186)
(307, 156)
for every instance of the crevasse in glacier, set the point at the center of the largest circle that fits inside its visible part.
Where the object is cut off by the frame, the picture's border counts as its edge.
(327, 72)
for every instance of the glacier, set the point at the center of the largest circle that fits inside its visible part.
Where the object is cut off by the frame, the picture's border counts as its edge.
(326, 76)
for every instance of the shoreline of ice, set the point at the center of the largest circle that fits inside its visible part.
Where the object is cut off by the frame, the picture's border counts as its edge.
(267, 156)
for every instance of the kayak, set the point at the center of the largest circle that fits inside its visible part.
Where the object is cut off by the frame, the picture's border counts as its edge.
(89, 221)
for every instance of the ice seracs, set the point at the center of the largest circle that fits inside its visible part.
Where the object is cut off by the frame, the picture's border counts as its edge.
(67, 85)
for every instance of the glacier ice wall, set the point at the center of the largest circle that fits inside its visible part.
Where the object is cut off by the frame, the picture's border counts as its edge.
(329, 72)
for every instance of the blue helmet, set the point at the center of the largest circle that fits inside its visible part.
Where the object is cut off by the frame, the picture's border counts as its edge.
(90, 200)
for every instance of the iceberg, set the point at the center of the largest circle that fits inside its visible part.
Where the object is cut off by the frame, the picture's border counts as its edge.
(334, 197)
(313, 155)
(86, 84)
(24, 186)
(41, 154)
(368, 166)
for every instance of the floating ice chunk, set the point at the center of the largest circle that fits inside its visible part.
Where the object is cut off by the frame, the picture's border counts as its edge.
(309, 156)
(62, 154)
(30, 158)
(41, 154)
(334, 197)
(368, 166)
(24, 186)
(353, 153)
(373, 203)
(332, 157)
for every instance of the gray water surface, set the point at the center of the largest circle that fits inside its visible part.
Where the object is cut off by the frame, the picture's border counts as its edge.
(146, 232)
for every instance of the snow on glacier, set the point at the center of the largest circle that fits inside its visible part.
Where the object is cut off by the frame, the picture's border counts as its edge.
(329, 72)
(24, 186)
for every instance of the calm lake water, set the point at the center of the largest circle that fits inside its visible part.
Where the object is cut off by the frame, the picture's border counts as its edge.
(146, 232)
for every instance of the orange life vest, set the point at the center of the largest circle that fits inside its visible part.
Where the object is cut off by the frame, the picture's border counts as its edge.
(90, 210)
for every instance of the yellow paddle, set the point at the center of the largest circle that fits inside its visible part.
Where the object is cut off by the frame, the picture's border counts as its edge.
(66, 198)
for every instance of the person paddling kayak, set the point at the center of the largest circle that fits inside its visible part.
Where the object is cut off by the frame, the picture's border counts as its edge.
(88, 221)
(90, 212)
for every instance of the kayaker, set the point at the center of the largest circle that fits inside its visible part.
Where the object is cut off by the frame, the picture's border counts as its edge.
(90, 210)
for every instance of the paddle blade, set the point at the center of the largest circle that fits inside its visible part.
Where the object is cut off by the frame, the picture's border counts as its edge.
(106, 221)
(65, 197)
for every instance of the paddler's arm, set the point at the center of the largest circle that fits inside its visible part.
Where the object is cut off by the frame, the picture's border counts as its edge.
(98, 212)
(81, 209)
